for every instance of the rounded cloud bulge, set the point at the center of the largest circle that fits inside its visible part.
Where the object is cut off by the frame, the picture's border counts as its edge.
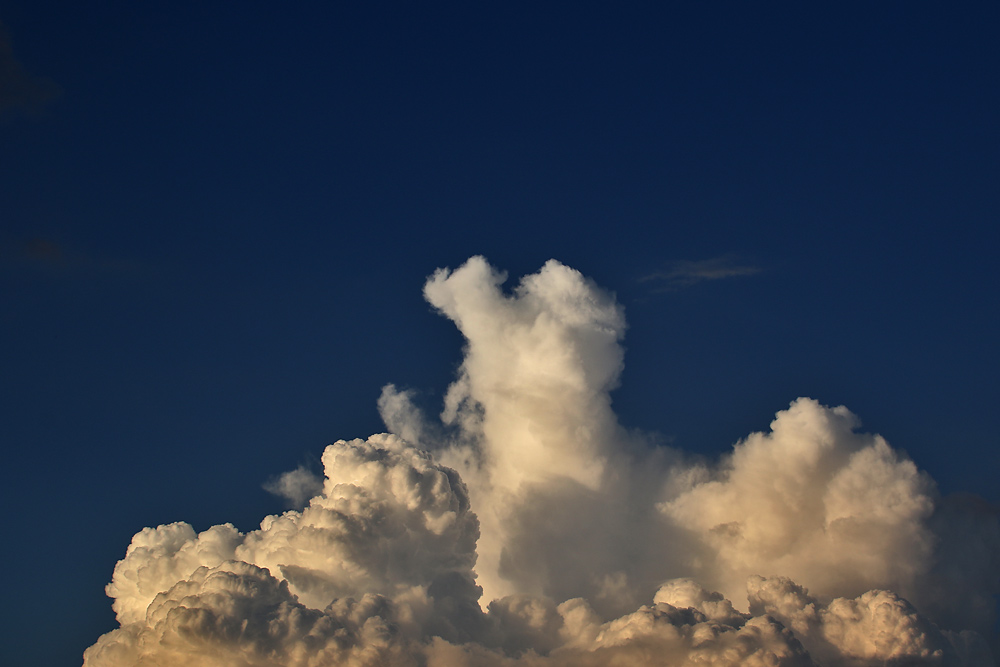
(524, 526)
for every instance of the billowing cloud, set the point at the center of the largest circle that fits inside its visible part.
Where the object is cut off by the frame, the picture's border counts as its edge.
(813, 500)
(525, 527)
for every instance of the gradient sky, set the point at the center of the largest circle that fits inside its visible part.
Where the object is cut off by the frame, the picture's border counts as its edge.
(216, 220)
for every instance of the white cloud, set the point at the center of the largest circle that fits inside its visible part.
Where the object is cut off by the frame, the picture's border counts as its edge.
(526, 527)
(813, 500)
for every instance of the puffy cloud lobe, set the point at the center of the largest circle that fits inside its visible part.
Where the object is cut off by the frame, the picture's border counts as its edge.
(596, 548)
(815, 501)
(878, 627)
(389, 522)
(159, 557)
(571, 633)
(237, 614)
(537, 370)
(388, 518)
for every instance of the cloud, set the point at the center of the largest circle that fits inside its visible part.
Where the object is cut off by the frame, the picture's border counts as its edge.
(20, 90)
(525, 527)
(387, 519)
(877, 627)
(814, 500)
(684, 273)
(238, 614)
(296, 486)
(44, 251)
(44, 255)
(38, 252)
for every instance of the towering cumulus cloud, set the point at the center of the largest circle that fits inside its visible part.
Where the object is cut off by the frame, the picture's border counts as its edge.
(525, 526)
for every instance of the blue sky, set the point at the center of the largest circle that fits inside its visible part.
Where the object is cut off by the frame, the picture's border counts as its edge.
(216, 220)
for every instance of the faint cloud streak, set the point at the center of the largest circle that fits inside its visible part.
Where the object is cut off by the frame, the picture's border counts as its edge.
(683, 273)
(20, 90)
(50, 256)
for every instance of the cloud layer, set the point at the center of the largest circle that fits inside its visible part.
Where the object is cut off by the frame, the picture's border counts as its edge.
(525, 526)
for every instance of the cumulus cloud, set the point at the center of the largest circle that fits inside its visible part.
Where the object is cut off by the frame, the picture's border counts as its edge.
(524, 526)
(813, 500)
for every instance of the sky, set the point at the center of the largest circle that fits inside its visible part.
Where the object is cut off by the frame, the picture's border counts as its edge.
(217, 222)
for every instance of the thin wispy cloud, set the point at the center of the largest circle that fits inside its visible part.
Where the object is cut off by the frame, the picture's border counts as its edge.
(682, 273)
(20, 90)
(46, 255)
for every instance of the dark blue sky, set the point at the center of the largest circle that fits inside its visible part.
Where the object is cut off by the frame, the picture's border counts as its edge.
(216, 219)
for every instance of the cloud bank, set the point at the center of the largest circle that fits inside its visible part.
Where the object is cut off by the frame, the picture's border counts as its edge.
(523, 526)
